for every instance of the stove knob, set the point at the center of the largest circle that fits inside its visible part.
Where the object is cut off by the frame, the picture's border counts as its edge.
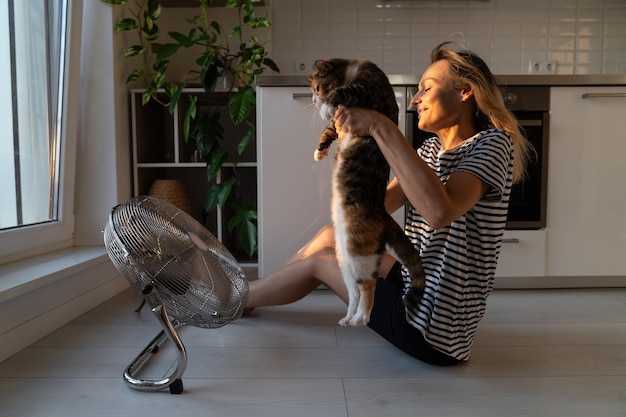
(510, 98)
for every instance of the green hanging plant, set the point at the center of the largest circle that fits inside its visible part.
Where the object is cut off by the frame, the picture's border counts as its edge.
(241, 64)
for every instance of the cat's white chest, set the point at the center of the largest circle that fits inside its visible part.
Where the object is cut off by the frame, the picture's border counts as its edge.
(326, 110)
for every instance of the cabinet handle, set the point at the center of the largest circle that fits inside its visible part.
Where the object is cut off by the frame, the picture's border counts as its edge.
(302, 95)
(512, 240)
(604, 95)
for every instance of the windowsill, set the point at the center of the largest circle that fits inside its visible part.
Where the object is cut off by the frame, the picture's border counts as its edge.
(20, 277)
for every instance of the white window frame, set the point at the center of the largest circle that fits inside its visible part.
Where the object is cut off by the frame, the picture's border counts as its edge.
(26, 241)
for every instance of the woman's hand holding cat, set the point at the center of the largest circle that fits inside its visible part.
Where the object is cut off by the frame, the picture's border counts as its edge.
(356, 121)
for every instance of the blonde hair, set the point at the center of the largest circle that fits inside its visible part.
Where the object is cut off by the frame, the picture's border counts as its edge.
(467, 68)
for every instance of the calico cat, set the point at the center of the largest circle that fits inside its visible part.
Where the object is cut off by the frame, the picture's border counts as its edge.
(363, 228)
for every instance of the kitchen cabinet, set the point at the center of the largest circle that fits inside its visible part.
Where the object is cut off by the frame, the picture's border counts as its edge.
(160, 152)
(586, 216)
(295, 190)
(294, 202)
(585, 235)
(523, 254)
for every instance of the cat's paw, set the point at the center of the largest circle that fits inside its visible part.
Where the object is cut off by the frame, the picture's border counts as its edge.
(345, 322)
(356, 320)
(319, 155)
(359, 320)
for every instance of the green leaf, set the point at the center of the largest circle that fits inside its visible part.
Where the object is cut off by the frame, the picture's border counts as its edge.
(170, 90)
(158, 80)
(149, 30)
(134, 76)
(207, 132)
(261, 22)
(152, 34)
(271, 65)
(245, 140)
(147, 96)
(153, 9)
(210, 73)
(245, 220)
(134, 50)
(216, 27)
(232, 3)
(248, 237)
(214, 162)
(241, 104)
(166, 51)
(236, 32)
(126, 24)
(218, 195)
(202, 37)
(160, 66)
(248, 10)
(174, 91)
(189, 114)
(183, 40)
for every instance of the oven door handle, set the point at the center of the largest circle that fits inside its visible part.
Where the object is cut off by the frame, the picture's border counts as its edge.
(604, 95)
(510, 240)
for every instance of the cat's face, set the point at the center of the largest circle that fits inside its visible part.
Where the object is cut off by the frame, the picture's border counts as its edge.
(328, 76)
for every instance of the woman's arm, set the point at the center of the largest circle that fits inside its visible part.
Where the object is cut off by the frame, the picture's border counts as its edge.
(394, 197)
(439, 204)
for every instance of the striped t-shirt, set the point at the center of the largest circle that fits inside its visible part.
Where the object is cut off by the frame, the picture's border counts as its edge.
(460, 259)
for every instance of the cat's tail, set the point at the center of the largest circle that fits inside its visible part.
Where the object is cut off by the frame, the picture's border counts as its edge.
(409, 256)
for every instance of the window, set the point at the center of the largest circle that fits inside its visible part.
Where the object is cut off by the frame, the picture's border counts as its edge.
(35, 212)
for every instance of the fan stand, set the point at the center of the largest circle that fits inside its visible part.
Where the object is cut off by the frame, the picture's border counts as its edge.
(173, 381)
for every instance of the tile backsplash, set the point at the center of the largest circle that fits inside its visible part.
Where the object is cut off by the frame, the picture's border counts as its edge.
(575, 36)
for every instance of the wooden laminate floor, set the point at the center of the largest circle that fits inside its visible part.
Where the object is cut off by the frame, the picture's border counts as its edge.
(538, 353)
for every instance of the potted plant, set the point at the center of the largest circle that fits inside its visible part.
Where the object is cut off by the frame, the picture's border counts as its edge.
(223, 55)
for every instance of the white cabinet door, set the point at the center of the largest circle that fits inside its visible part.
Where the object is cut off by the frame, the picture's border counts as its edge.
(586, 219)
(523, 254)
(294, 190)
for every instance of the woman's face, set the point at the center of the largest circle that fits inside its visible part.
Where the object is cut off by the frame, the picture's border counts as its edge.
(438, 103)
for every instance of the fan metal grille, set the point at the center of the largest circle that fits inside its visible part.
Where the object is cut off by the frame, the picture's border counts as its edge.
(152, 242)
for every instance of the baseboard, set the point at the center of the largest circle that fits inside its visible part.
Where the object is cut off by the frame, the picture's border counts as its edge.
(560, 282)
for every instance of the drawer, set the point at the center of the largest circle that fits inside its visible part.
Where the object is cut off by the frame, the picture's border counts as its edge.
(523, 254)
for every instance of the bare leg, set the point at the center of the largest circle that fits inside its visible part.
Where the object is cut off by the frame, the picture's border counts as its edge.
(314, 264)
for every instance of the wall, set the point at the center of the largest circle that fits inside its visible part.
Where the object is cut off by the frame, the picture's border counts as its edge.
(55, 288)
(581, 36)
(104, 139)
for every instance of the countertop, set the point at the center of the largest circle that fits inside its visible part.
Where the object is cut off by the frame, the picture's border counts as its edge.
(399, 80)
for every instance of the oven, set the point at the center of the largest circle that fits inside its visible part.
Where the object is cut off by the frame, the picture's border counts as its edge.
(531, 106)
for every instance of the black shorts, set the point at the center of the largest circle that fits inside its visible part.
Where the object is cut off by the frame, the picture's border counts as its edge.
(388, 319)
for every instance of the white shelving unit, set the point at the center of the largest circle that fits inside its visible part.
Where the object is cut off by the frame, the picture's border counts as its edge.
(160, 152)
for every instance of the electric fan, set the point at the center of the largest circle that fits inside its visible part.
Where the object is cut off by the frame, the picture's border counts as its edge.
(184, 273)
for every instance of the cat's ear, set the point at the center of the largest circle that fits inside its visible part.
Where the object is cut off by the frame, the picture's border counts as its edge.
(322, 67)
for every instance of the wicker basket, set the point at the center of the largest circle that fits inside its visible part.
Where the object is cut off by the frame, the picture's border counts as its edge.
(171, 191)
